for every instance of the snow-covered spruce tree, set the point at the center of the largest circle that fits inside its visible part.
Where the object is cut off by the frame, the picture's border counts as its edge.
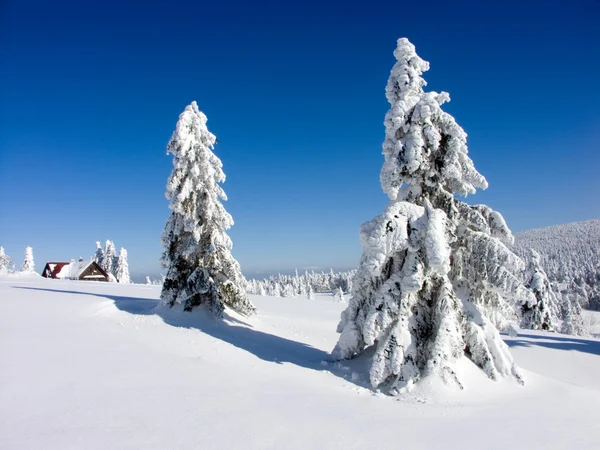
(122, 267)
(28, 264)
(99, 255)
(544, 312)
(431, 264)
(4, 261)
(109, 257)
(572, 320)
(196, 247)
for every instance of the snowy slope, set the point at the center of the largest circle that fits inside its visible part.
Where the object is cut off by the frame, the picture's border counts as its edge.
(568, 253)
(98, 366)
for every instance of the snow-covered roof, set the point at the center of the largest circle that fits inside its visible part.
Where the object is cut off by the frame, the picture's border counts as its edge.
(72, 270)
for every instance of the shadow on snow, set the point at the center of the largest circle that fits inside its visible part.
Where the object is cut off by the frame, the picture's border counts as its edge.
(557, 342)
(238, 333)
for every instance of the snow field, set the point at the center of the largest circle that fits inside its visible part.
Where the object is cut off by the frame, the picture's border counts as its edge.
(98, 365)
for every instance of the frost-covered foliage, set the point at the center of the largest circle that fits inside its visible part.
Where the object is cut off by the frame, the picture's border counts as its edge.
(110, 257)
(116, 266)
(433, 267)
(122, 267)
(572, 319)
(297, 285)
(545, 312)
(570, 255)
(28, 263)
(196, 247)
(4, 260)
(339, 295)
(99, 255)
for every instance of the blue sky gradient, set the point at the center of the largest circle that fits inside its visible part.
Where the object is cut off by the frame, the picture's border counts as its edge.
(90, 93)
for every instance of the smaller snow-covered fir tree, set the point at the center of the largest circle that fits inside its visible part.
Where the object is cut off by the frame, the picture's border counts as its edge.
(4, 260)
(339, 295)
(148, 281)
(110, 257)
(309, 293)
(571, 315)
(99, 255)
(541, 312)
(122, 267)
(196, 247)
(28, 264)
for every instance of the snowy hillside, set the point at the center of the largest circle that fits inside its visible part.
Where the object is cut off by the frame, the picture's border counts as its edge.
(570, 254)
(98, 365)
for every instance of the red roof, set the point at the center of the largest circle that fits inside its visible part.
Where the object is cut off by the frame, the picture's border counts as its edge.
(53, 268)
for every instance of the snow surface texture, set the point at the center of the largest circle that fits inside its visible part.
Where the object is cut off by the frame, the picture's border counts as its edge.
(196, 247)
(99, 366)
(570, 255)
(434, 270)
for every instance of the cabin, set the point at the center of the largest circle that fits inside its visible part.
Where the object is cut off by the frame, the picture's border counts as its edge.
(75, 270)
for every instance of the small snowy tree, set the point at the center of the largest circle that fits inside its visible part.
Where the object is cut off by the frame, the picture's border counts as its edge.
(110, 257)
(541, 313)
(432, 265)
(196, 247)
(571, 315)
(339, 295)
(28, 264)
(309, 292)
(4, 261)
(122, 267)
(148, 281)
(99, 255)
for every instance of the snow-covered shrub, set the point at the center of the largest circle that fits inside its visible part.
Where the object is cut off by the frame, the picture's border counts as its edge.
(196, 247)
(28, 263)
(432, 265)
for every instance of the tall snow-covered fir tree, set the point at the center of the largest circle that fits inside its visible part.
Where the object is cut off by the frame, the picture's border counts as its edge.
(432, 265)
(196, 248)
(28, 264)
(122, 267)
(542, 314)
(4, 260)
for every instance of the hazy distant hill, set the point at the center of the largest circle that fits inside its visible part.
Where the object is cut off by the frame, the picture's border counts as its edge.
(570, 254)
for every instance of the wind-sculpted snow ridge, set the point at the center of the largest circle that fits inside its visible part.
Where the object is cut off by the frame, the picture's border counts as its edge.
(434, 270)
(570, 256)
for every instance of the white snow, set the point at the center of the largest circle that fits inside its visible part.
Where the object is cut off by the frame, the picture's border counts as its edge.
(88, 365)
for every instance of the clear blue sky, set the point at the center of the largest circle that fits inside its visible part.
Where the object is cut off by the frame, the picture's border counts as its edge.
(295, 91)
